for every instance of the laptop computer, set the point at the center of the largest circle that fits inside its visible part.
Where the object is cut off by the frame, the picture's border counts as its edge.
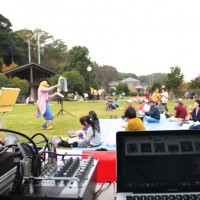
(158, 164)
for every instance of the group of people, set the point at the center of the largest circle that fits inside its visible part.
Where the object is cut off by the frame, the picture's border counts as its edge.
(147, 111)
(150, 110)
(154, 109)
(110, 104)
(88, 136)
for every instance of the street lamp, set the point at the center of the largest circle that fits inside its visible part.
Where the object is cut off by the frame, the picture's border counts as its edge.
(89, 69)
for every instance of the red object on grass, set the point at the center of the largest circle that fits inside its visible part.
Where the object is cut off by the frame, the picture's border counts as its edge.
(106, 168)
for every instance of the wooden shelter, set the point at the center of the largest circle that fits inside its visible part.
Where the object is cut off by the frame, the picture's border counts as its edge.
(33, 73)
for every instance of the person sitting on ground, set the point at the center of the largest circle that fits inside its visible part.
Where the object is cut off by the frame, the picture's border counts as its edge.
(195, 113)
(134, 123)
(161, 107)
(181, 112)
(109, 104)
(96, 120)
(153, 115)
(115, 103)
(162, 110)
(181, 102)
(143, 106)
(129, 105)
(29, 100)
(80, 134)
(77, 136)
(92, 139)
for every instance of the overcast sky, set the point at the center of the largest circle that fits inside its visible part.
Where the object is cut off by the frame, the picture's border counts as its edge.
(136, 36)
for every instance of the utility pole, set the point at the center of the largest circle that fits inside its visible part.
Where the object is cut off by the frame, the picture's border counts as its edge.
(38, 47)
(29, 51)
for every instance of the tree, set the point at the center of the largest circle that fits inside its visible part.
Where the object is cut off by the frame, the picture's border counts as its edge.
(3, 80)
(174, 79)
(5, 30)
(11, 44)
(195, 84)
(1, 64)
(19, 83)
(122, 88)
(78, 59)
(151, 78)
(53, 53)
(104, 75)
(75, 81)
(154, 86)
(121, 76)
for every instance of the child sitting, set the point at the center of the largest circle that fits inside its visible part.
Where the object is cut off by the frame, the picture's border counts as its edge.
(80, 133)
(92, 137)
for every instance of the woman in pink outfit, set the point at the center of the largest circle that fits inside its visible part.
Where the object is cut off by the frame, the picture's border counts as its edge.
(43, 108)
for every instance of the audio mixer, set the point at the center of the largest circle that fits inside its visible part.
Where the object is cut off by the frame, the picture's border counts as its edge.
(71, 178)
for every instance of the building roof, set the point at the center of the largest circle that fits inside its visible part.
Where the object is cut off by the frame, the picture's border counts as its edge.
(26, 66)
(114, 83)
(129, 79)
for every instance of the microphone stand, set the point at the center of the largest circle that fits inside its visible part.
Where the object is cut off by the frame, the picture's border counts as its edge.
(62, 111)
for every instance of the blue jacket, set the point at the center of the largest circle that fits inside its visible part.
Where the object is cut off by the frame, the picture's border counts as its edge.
(153, 112)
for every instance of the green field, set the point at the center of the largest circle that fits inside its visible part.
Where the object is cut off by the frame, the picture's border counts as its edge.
(23, 118)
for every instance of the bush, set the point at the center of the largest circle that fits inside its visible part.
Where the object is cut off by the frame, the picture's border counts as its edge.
(23, 85)
(134, 94)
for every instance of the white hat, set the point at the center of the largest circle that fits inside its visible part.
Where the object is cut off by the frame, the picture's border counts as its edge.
(129, 101)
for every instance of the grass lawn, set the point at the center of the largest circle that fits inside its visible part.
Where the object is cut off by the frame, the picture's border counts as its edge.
(23, 119)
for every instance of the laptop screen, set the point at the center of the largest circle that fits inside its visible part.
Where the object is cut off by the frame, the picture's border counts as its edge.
(158, 161)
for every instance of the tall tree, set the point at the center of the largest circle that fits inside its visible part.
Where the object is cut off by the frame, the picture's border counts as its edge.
(5, 30)
(75, 81)
(151, 78)
(195, 84)
(104, 75)
(78, 59)
(174, 79)
(53, 53)
(10, 43)
(121, 75)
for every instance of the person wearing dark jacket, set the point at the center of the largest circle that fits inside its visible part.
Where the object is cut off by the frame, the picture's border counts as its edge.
(153, 115)
(194, 114)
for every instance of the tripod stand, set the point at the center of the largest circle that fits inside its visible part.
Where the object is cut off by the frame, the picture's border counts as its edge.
(62, 111)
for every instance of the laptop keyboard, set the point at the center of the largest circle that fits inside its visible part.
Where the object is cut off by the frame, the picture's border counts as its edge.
(165, 197)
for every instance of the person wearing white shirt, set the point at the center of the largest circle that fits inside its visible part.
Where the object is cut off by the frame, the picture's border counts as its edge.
(164, 98)
(143, 106)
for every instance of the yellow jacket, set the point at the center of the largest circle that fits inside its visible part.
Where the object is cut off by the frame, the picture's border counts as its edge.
(135, 124)
(155, 96)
